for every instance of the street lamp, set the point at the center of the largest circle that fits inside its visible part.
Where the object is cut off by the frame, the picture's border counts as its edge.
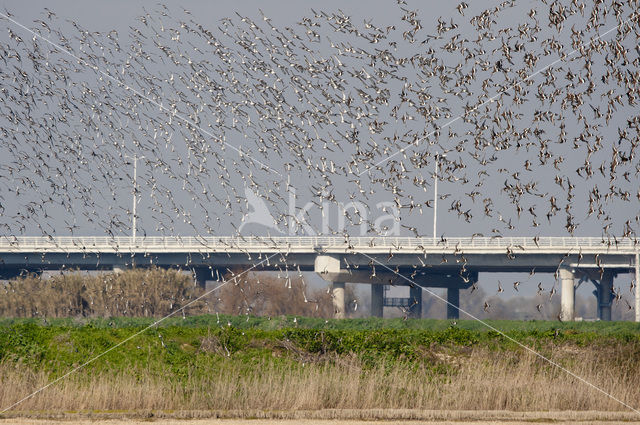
(135, 192)
(437, 157)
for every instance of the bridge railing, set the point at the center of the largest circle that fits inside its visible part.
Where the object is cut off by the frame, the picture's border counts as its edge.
(168, 243)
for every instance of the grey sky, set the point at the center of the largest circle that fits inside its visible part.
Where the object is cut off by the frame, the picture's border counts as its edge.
(120, 16)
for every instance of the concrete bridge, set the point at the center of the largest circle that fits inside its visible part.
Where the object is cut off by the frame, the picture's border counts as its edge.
(452, 263)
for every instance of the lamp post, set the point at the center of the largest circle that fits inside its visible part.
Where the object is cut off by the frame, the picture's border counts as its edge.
(435, 191)
(135, 192)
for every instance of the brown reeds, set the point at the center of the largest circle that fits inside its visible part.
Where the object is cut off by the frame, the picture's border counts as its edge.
(133, 293)
(155, 292)
(480, 380)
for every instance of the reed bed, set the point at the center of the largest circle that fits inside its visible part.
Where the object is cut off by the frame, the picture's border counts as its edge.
(156, 292)
(480, 379)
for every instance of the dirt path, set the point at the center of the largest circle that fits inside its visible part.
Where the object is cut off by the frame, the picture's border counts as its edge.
(23, 421)
(323, 417)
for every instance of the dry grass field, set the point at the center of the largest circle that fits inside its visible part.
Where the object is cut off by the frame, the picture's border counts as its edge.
(480, 380)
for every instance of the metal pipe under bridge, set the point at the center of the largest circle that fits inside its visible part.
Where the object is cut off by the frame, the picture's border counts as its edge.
(452, 263)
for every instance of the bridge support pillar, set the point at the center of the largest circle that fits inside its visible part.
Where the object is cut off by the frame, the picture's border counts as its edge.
(18, 272)
(415, 301)
(453, 308)
(567, 294)
(637, 287)
(338, 300)
(377, 298)
(10, 273)
(605, 296)
(201, 275)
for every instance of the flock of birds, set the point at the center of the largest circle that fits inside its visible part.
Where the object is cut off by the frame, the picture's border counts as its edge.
(530, 113)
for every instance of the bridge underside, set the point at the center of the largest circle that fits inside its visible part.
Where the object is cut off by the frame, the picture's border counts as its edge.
(546, 263)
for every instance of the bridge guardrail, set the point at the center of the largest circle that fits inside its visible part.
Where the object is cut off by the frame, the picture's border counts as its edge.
(318, 243)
